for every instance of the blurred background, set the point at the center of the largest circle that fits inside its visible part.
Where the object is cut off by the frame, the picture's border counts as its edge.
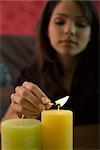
(18, 20)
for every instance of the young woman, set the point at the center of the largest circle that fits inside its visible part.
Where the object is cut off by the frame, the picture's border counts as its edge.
(65, 63)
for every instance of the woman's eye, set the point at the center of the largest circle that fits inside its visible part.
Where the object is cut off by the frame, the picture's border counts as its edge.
(81, 25)
(59, 21)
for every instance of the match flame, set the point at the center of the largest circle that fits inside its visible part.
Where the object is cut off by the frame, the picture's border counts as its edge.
(62, 101)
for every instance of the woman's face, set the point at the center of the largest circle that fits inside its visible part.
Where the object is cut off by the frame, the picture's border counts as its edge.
(69, 31)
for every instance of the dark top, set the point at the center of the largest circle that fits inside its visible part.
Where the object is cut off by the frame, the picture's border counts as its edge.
(84, 97)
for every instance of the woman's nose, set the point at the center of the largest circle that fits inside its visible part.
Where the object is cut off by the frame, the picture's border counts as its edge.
(70, 28)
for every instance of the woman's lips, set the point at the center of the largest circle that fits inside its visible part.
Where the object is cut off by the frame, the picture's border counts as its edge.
(70, 42)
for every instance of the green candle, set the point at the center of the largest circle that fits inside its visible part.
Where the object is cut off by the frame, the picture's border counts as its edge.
(21, 134)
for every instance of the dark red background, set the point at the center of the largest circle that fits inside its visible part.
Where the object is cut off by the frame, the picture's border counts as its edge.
(18, 17)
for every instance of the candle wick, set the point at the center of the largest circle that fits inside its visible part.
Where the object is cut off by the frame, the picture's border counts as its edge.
(22, 116)
(58, 107)
(22, 119)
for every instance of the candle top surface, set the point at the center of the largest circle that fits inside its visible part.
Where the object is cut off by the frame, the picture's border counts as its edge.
(21, 123)
(57, 112)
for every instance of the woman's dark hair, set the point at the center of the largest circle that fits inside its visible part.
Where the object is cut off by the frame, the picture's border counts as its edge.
(44, 49)
(48, 63)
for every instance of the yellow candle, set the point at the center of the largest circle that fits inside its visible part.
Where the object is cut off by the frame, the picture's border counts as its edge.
(18, 134)
(57, 129)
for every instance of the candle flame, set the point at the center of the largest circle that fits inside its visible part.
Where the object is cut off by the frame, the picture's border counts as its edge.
(62, 101)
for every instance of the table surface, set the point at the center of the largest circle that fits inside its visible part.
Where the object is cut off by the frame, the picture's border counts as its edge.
(86, 137)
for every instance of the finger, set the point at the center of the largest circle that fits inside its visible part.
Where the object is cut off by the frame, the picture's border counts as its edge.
(45, 100)
(35, 89)
(16, 108)
(23, 102)
(30, 97)
(26, 104)
(17, 88)
(47, 103)
(38, 92)
(19, 110)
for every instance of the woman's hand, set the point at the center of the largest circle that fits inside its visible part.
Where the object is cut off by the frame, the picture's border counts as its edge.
(29, 100)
